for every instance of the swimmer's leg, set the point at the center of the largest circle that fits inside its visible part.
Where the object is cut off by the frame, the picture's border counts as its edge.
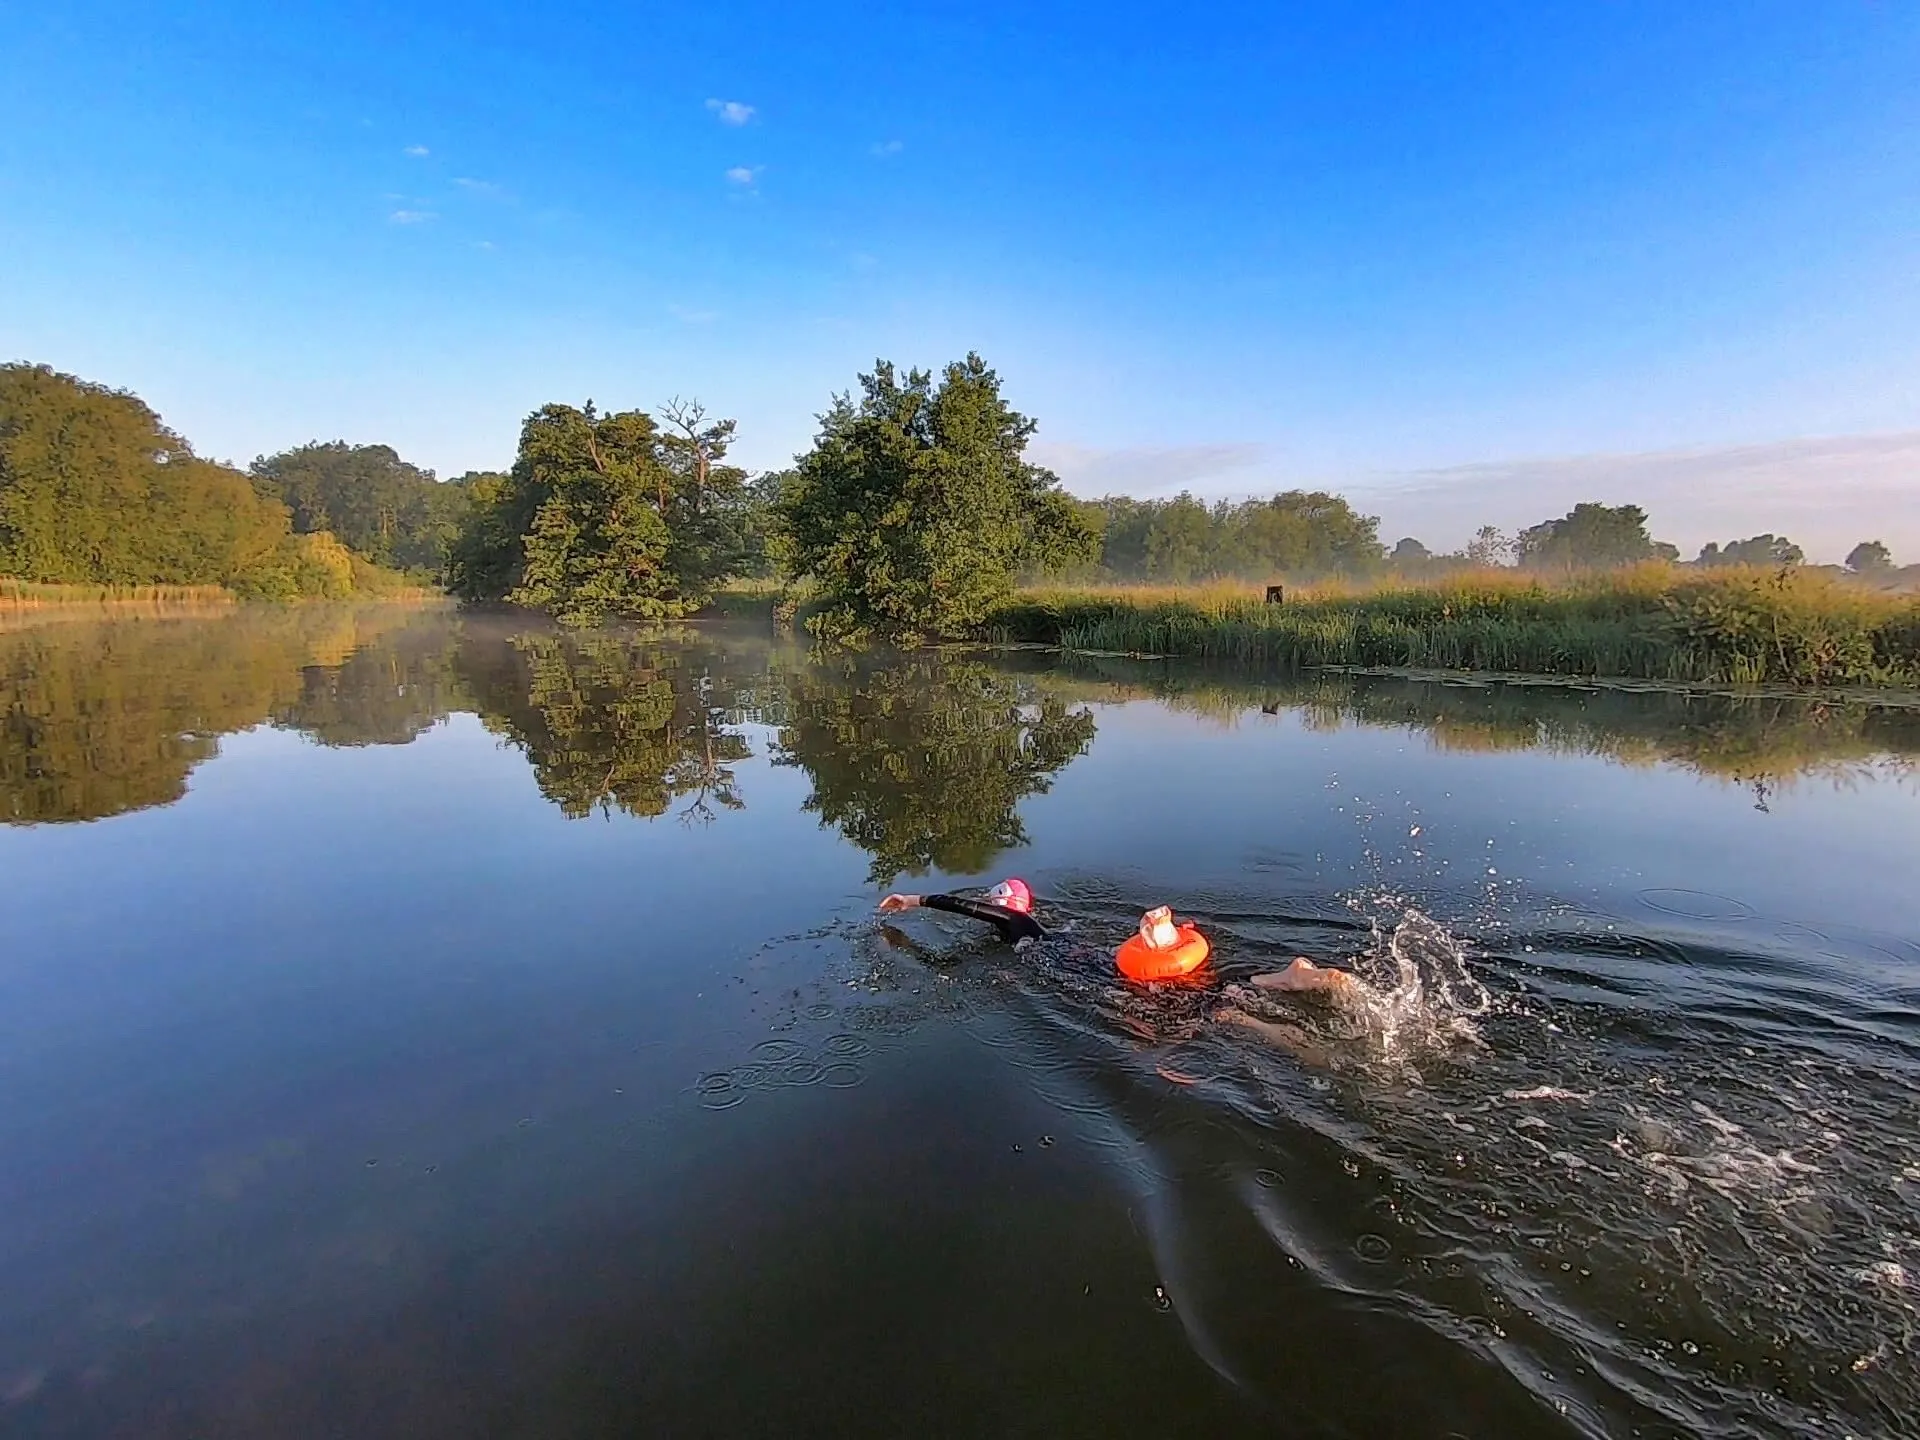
(1290, 1038)
(1303, 977)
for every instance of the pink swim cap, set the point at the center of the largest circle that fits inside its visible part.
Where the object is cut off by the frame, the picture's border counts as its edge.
(1012, 894)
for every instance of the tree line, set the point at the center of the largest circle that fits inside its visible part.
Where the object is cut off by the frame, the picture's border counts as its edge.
(95, 489)
(914, 512)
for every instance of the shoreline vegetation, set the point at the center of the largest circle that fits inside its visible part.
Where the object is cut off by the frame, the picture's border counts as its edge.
(26, 596)
(1656, 622)
(913, 517)
(25, 602)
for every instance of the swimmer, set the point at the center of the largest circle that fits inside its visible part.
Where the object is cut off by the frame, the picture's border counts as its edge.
(1008, 907)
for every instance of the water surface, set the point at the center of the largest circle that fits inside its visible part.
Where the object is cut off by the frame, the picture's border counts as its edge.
(416, 1025)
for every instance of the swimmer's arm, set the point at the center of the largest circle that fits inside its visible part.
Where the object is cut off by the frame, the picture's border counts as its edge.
(1012, 927)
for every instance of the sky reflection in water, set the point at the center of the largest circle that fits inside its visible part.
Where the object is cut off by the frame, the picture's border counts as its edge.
(459, 1025)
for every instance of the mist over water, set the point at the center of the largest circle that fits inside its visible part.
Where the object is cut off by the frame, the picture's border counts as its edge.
(516, 998)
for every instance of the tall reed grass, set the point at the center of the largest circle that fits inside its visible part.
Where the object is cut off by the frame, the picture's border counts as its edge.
(1653, 622)
(17, 596)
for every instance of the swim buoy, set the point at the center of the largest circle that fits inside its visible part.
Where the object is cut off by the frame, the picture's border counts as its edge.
(1141, 961)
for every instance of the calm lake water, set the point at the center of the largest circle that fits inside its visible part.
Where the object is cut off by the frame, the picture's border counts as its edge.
(423, 1026)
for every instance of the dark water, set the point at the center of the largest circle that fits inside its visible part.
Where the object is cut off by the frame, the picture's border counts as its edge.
(447, 1029)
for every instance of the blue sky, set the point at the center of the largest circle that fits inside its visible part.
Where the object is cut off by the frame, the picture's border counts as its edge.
(1408, 251)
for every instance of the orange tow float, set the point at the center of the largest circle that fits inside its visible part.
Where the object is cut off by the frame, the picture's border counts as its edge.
(1162, 950)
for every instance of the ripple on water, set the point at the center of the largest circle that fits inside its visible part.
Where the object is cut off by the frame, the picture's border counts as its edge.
(777, 1051)
(1266, 1179)
(1373, 1249)
(842, 1076)
(847, 1047)
(718, 1092)
(1695, 904)
(800, 1072)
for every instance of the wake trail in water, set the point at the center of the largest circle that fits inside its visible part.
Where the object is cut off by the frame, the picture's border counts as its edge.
(1643, 1216)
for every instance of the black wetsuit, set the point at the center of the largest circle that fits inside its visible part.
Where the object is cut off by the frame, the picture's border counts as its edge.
(1013, 925)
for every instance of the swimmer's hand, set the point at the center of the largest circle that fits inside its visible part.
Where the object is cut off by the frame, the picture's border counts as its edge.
(894, 904)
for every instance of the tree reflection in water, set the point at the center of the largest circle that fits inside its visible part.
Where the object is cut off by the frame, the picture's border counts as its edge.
(922, 761)
(614, 720)
(101, 717)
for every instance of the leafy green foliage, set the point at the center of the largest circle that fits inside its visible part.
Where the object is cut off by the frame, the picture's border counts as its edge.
(94, 489)
(916, 507)
(1591, 537)
(603, 515)
(1869, 557)
(375, 503)
(1760, 550)
(1298, 534)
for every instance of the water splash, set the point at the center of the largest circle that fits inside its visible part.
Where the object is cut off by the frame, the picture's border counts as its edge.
(1414, 996)
(1417, 992)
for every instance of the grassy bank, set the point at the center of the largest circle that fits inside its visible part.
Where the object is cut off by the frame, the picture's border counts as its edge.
(1652, 623)
(18, 597)
(24, 602)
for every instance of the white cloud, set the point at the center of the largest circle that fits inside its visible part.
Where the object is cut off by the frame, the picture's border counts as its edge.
(744, 174)
(485, 245)
(1825, 493)
(1143, 470)
(412, 217)
(416, 152)
(485, 189)
(886, 149)
(731, 112)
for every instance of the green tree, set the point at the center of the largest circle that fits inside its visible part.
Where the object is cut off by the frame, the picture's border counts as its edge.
(1306, 533)
(602, 516)
(598, 542)
(1488, 548)
(1180, 541)
(375, 503)
(1869, 557)
(1591, 537)
(1410, 558)
(1298, 533)
(483, 562)
(1760, 550)
(94, 489)
(916, 507)
(711, 516)
(757, 517)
